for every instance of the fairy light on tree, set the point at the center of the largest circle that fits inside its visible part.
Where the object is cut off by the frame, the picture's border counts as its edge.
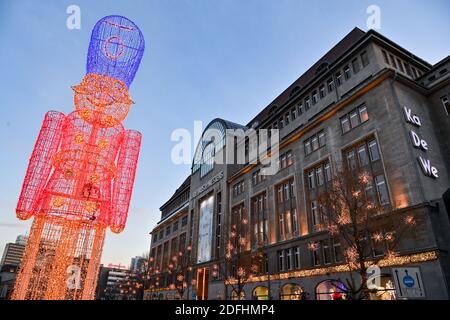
(352, 215)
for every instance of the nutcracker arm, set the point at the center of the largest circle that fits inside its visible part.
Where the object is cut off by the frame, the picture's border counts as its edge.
(40, 165)
(124, 179)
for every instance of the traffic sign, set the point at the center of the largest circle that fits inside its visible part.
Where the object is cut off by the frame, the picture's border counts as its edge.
(408, 283)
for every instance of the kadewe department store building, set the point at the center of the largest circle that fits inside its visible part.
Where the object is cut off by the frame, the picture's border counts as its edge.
(367, 102)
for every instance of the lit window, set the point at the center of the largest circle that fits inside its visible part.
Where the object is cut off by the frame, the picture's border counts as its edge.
(373, 150)
(294, 220)
(364, 116)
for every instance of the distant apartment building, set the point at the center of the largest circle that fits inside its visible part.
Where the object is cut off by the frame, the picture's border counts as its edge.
(368, 103)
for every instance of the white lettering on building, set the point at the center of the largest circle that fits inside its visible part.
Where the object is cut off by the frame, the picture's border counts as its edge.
(420, 143)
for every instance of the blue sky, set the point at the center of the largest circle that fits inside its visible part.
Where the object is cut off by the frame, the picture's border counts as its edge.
(204, 59)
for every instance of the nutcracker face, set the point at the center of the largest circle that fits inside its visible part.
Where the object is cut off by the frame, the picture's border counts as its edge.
(102, 100)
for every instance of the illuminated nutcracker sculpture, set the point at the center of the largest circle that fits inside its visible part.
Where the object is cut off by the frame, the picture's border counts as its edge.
(81, 172)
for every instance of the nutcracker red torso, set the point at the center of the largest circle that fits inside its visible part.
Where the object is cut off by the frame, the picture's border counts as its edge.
(81, 172)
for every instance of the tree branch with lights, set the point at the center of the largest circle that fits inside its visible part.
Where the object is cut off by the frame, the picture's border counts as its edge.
(353, 215)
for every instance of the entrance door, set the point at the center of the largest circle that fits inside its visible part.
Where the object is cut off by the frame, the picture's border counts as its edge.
(202, 283)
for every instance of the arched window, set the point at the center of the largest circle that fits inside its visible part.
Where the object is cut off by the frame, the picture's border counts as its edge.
(291, 291)
(294, 91)
(212, 141)
(235, 296)
(260, 293)
(322, 67)
(330, 290)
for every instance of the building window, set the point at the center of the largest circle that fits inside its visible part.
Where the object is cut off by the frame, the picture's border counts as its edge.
(407, 68)
(393, 63)
(383, 195)
(311, 180)
(289, 259)
(385, 57)
(297, 264)
(322, 91)
(330, 85)
(363, 156)
(364, 59)
(400, 65)
(355, 65)
(354, 118)
(175, 226)
(326, 252)
(286, 209)
(320, 176)
(281, 260)
(373, 150)
(307, 103)
(347, 73)
(315, 142)
(338, 79)
(314, 213)
(300, 108)
(286, 159)
(259, 220)
(446, 104)
(239, 188)
(345, 124)
(337, 250)
(294, 113)
(327, 169)
(315, 97)
(316, 255)
(184, 221)
(167, 230)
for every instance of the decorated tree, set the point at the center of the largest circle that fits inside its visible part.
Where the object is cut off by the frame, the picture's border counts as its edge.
(240, 264)
(351, 213)
(181, 270)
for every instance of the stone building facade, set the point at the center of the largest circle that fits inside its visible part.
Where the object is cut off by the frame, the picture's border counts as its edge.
(368, 102)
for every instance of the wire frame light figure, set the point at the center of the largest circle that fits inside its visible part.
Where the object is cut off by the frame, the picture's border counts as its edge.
(81, 172)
